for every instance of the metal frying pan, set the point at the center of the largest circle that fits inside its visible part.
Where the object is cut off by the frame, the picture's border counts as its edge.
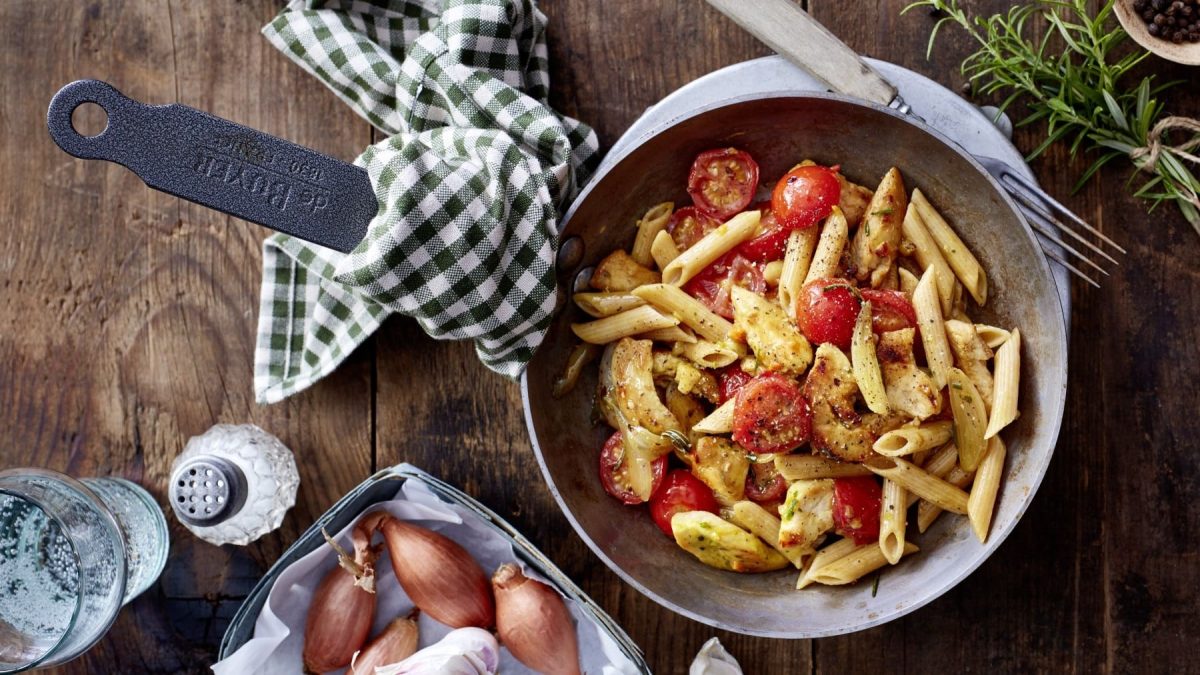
(778, 129)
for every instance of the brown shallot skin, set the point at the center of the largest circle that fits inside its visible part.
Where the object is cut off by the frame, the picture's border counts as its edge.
(533, 623)
(338, 623)
(439, 576)
(396, 642)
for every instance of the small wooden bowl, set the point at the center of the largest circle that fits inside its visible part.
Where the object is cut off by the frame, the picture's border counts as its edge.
(1187, 53)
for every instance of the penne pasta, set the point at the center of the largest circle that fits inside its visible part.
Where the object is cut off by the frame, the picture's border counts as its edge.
(911, 439)
(796, 260)
(649, 226)
(759, 521)
(627, 323)
(663, 249)
(866, 364)
(719, 421)
(712, 246)
(669, 334)
(583, 354)
(933, 331)
(705, 354)
(992, 336)
(671, 300)
(970, 419)
(982, 499)
(927, 253)
(972, 355)
(853, 566)
(940, 463)
(1007, 383)
(772, 271)
(908, 282)
(927, 512)
(917, 480)
(810, 467)
(603, 304)
(956, 253)
(831, 553)
(830, 245)
(893, 520)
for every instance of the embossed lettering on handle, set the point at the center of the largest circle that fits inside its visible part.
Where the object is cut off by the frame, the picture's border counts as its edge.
(225, 166)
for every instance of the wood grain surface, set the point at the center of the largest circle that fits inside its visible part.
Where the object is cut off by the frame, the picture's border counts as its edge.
(129, 321)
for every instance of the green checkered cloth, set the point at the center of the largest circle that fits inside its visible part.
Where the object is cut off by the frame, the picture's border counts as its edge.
(469, 185)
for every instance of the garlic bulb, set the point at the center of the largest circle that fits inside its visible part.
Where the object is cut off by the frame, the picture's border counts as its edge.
(465, 651)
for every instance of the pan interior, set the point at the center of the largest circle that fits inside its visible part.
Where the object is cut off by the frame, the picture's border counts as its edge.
(780, 131)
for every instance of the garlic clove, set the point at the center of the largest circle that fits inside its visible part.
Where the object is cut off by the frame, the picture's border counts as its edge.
(465, 651)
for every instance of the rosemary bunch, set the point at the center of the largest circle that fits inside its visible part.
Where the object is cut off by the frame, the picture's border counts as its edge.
(1069, 78)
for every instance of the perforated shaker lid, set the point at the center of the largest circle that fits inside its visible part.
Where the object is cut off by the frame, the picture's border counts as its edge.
(207, 490)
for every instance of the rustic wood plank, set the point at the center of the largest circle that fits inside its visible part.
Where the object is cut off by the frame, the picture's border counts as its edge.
(137, 312)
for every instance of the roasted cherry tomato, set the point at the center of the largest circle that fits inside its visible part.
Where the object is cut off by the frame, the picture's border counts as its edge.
(826, 311)
(804, 196)
(856, 503)
(764, 483)
(723, 182)
(614, 476)
(680, 492)
(689, 225)
(730, 380)
(890, 310)
(713, 285)
(771, 244)
(771, 415)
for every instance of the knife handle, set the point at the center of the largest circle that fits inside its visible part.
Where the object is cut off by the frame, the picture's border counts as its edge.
(224, 166)
(796, 36)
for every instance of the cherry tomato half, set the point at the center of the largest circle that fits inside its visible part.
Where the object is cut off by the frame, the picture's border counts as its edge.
(723, 182)
(689, 225)
(826, 311)
(890, 310)
(770, 414)
(730, 381)
(614, 475)
(856, 503)
(764, 483)
(771, 244)
(714, 284)
(804, 196)
(680, 492)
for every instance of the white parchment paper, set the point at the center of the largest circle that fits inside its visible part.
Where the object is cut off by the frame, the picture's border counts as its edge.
(278, 638)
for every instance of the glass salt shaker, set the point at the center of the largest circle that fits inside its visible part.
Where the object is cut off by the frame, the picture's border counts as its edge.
(233, 484)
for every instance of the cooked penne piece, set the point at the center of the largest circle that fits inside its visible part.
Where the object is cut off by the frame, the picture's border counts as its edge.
(927, 512)
(627, 323)
(831, 553)
(759, 521)
(619, 272)
(810, 467)
(940, 463)
(933, 332)
(583, 354)
(893, 520)
(917, 480)
(832, 242)
(1008, 382)
(854, 566)
(663, 249)
(673, 301)
(982, 499)
(796, 259)
(927, 253)
(772, 271)
(649, 226)
(602, 304)
(777, 343)
(959, 310)
(992, 336)
(669, 334)
(719, 421)
(972, 355)
(712, 246)
(706, 354)
(908, 282)
(959, 257)
(908, 440)
(866, 364)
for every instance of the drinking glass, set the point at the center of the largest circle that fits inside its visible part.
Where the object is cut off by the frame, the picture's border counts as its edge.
(72, 553)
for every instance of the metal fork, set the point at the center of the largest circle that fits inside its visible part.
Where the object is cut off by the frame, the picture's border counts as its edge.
(796, 36)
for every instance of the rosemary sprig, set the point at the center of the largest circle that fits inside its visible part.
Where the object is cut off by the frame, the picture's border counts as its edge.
(1069, 79)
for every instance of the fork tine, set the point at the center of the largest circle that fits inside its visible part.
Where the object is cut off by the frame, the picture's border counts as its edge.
(1051, 221)
(1041, 194)
(1071, 268)
(1046, 231)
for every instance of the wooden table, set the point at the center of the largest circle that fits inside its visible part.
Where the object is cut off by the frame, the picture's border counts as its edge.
(129, 323)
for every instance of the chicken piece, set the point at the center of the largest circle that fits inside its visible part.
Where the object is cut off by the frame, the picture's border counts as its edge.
(776, 342)
(721, 544)
(723, 466)
(853, 200)
(972, 355)
(877, 241)
(838, 430)
(620, 272)
(806, 515)
(910, 390)
(628, 396)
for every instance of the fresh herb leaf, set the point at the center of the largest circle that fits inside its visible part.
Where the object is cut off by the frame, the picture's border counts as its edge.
(875, 584)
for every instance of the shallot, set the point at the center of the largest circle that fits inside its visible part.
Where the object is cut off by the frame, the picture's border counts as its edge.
(466, 651)
(343, 608)
(534, 623)
(397, 642)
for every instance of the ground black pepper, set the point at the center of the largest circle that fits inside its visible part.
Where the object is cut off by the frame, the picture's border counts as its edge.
(1174, 20)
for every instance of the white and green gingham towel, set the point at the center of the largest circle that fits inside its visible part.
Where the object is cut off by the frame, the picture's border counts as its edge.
(469, 185)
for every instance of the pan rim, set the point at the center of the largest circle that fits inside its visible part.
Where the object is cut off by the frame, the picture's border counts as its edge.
(1055, 370)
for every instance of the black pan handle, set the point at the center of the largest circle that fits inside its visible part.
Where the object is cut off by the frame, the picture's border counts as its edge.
(225, 166)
